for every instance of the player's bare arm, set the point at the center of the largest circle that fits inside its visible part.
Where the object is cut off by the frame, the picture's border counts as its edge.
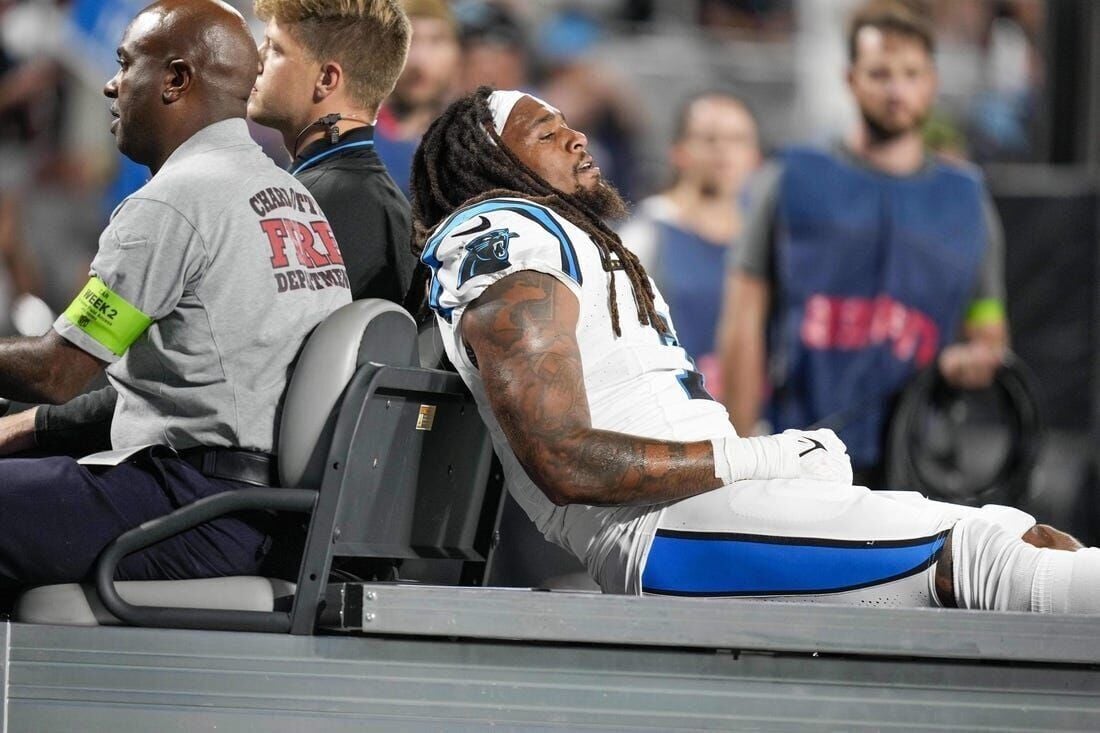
(44, 369)
(523, 332)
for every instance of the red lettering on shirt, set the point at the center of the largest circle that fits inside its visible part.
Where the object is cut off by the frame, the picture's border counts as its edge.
(849, 324)
(276, 237)
(282, 233)
(328, 240)
(308, 255)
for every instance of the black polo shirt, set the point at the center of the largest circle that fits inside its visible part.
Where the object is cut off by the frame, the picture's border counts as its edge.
(368, 213)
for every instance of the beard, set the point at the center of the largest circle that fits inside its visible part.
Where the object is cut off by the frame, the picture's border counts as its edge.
(883, 131)
(710, 189)
(411, 94)
(604, 200)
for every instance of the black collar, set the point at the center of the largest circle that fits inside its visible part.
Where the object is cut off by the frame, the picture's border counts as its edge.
(320, 145)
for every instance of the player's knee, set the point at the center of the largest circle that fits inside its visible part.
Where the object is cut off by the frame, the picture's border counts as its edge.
(1043, 535)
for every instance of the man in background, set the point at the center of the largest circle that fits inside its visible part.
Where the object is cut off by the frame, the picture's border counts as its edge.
(496, 46)
(865, 262)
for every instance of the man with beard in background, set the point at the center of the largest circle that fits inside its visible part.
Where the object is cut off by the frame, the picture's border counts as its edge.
(857, 264)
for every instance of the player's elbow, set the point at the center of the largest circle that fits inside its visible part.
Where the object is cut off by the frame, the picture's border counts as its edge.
(554, 485)
(557, 497)
(587, 493)
(576, 485)
(564, 493)
(555, 469)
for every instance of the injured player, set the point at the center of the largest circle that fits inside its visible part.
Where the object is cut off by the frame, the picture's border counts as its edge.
(609, 440)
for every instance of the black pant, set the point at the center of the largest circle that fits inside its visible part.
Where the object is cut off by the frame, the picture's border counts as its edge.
(57, 515)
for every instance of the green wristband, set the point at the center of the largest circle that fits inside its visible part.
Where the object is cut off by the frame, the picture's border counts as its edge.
(986, 310)
(107, 317)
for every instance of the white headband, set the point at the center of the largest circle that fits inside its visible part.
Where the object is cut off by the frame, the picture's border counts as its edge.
(502, 102)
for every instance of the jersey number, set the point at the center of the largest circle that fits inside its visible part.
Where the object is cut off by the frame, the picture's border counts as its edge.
(693, 382)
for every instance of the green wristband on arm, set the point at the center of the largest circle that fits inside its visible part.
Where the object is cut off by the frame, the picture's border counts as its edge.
(107, 317)
(986, 310)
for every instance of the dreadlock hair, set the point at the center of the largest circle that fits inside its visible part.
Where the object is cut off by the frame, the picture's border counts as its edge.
(457, 164)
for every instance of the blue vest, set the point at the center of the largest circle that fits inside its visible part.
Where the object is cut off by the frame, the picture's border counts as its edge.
(873, 275)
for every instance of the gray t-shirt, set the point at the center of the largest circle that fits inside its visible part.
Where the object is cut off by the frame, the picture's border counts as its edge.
(756, 245)
(234, 263)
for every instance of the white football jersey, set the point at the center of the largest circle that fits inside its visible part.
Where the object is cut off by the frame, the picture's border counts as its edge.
(641, 383)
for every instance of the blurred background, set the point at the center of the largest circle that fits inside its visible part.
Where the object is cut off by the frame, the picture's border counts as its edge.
(1020, 97)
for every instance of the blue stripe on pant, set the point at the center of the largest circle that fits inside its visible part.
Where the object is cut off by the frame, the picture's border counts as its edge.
(718, 564)
(57, 515)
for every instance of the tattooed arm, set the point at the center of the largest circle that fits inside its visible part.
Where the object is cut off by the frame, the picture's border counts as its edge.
(523, 331)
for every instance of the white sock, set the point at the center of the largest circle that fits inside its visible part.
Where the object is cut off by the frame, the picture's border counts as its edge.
(1071, 583)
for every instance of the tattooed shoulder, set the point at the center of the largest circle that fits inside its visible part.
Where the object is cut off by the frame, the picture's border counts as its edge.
(522, 305)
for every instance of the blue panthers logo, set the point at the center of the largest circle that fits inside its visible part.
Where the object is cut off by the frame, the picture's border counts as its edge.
(488, 253)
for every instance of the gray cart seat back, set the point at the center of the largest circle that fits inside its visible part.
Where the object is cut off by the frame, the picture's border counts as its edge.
(410, 477)
(373, 329)
(418, 460)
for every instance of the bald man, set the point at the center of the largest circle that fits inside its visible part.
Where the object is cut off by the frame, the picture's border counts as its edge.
(206, 283)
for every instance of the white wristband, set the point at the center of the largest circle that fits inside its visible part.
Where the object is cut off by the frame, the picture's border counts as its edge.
(736, 459)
